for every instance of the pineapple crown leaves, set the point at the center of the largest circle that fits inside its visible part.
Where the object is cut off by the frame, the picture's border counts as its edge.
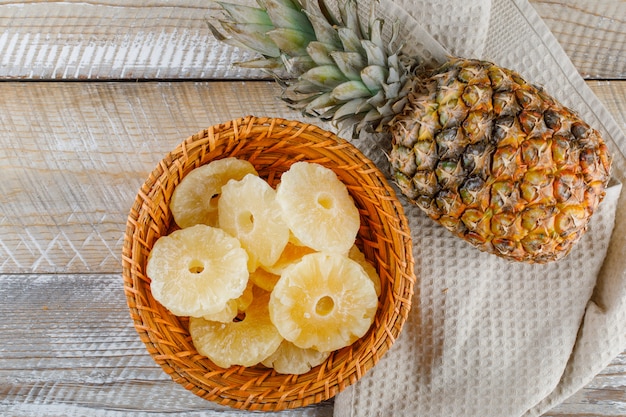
(338, 68)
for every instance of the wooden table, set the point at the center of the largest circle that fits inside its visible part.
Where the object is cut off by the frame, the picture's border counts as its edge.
(93, 94)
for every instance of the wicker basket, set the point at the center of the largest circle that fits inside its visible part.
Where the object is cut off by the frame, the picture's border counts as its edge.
(271, 145)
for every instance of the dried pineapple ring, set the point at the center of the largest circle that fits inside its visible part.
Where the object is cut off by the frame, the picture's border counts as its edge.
(292, 253)
(248, 210)
(245, 342)
(264, 279)
(290, 359)
(317, 208)
(356, 255)
(234, 306)
(325, 302)
(226, 315)
(194, 200)
(197, 270)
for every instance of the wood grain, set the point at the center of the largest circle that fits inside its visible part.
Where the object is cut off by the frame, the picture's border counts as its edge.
(170, 40)
(73, 156)
(70, 350)
(591, 32)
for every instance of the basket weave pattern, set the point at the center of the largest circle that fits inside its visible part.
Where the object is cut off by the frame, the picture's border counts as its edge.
(271, 145)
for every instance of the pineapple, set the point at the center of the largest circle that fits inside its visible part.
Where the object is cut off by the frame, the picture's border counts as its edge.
(248, 210)
(356, 255)
(292, 253)
(323, 302)
(196, 271)
(317, 208)
(194, 200)
(290, 359)
(264, 279)
(234, 306)
(492, 158)
(246, 342)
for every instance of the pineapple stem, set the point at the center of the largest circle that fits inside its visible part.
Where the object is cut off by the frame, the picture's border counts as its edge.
(338, 66)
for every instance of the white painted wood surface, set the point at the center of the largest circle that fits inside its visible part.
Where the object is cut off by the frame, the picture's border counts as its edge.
(67, 345)
(136, 39)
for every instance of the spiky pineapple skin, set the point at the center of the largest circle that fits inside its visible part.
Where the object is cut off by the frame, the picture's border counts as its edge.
(498, 162)
(491, 157)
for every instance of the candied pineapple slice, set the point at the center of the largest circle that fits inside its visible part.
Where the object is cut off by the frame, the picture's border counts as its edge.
(292, 253)
(264, 279)
(248, 210)
(234, 306)
(197, 270)
(325, 302)
(194, 200)
(246, 342)
(317, 208)
(226, 315)
(356, 255)
(290, 359)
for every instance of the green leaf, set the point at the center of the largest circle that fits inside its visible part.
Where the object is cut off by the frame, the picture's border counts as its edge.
(253, 36)
(376, 29)
(350, 40)
(322, 101)
(320, 53)
(375, 55)
(349, 63)
(325, 76)
(378, 99)
(351, 109)
(328, 15)
(350, 17)
(283, 16)
(264, 63)
(304, 87)
(290, 41)
(324, 31)
(374, 76)
(392, 90)
(350, 90)
(298, 64)
(246, 14)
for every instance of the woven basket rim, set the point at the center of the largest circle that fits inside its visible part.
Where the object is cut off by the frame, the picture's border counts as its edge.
(271, 144)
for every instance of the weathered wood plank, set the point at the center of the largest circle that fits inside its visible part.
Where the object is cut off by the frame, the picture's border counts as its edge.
(73, 156)
(592, 33)
(112, 40)
(69, 349)
(158, 39)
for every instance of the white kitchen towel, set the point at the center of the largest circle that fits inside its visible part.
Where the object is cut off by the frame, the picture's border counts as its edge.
(488, 337)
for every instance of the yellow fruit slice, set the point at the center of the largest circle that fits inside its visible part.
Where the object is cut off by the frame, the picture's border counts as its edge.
(292, 253)
(317, 208)
(325, 302)
(248, 210)
(234, 306)
(194, 200)
(264, 279)
(290, 359)
(226, 315)
(197, 270)
(246, 342)
(356, 255)
(244, 301)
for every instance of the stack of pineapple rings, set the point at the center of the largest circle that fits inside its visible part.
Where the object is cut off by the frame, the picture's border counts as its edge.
(270, 276)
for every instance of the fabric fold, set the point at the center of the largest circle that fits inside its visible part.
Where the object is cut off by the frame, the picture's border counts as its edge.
(487, 337)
